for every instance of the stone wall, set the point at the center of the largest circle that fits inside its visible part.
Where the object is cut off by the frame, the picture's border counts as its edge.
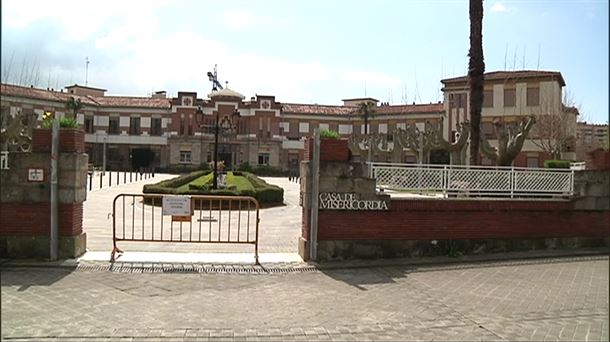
(428, 227)
(25, 217)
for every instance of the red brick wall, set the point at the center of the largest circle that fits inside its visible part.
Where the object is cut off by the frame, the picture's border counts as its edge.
(34, 219)
(330, 150)
(457, 219)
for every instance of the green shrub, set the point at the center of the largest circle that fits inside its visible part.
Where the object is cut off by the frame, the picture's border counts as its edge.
(557, 164)
(328, 134)
(64, 122)
(244, 167)
(269, 171)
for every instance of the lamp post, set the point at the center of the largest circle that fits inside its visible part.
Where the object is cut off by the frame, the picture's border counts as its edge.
(227, 126)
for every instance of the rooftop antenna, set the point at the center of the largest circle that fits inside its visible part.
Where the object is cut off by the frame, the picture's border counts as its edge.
(538, 64)
(86, 70)
(213, 77)
(364, 88)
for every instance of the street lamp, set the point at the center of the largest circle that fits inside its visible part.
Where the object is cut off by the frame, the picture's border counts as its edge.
(227, 126)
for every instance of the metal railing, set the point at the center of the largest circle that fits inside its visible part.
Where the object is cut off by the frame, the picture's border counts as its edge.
(213, 219)
(473, 181)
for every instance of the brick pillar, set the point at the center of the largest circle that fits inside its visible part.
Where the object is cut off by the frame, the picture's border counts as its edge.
(25, 205)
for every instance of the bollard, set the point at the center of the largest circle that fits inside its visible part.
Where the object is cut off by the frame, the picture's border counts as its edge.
(109, 178)
(124, 176)
(129, 176)
(90, 181)
(101, 179)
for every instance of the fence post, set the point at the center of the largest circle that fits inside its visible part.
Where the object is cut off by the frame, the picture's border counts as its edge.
(445, 181)
(124, 176)
(117, 177)
(101, 178)
(109, 178)
(512, 181)
(90, 181)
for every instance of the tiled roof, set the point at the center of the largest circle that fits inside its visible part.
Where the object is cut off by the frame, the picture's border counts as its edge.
(128, 101)
(294, 108)
(300, 108)
(106, 101)
(409, 109)
(509, 75)
(40, 94)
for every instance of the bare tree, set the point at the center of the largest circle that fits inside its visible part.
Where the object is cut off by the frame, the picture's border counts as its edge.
(476, 69)
(555, 130)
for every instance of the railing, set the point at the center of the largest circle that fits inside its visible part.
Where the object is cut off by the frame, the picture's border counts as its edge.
(473, 181)
(212, 219)
(102, 179)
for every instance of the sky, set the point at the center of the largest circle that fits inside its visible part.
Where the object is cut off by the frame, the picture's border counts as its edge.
(311, 51)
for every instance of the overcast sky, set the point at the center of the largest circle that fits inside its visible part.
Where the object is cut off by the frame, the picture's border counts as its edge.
(301, 51)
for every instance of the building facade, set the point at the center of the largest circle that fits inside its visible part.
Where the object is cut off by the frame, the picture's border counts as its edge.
(125, 132)
(590, 137)
(513, 96)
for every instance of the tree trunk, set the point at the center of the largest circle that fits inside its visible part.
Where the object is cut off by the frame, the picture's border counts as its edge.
(476, 69)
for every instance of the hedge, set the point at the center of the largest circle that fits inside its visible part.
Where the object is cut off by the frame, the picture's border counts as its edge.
(263, 192)
(557, 164)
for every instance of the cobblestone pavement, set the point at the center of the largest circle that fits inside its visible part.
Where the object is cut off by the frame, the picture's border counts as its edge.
(534, 300)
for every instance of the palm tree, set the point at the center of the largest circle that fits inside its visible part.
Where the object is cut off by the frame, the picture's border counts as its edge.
(366, 111)
(74, 105)
(476, 69)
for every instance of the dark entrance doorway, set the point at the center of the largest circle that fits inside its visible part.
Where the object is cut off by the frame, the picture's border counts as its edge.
(141, 157)
(225, 154)
(439, 157)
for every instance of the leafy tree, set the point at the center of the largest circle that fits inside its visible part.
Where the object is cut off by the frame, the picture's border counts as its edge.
(366, 110)
(74, 105)
(476, 69)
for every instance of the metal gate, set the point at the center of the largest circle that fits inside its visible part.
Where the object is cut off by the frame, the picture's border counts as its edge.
(212, 219)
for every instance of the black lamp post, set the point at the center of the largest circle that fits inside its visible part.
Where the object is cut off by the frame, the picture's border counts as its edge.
(227, 126)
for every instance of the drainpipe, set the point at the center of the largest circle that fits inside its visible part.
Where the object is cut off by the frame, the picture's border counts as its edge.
(54, 238)
(315, 188)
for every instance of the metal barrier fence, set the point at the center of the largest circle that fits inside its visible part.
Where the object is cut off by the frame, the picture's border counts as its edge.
(212, 219)
(104, 179)
(474, 181)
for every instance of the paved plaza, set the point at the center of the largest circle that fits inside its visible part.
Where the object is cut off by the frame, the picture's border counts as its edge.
(561, 299)
(280, 227)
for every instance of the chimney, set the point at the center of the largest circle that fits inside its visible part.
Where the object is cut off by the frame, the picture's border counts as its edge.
(161, 94)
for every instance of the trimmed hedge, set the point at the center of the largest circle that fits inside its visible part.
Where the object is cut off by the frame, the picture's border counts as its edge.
(263, 192)
(557, 164)
(170, 186)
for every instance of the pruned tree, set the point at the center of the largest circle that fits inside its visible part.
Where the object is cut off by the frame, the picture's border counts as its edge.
(456, 149)
(74, 105)
(366, 110)
(510, 137)
(476, 69)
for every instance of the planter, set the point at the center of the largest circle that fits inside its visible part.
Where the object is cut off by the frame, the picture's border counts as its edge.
(330, 150)
(70, 140)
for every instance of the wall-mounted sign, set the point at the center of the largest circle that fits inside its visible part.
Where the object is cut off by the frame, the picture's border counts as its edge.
(177, 205)
(348, 201)
(35, 175)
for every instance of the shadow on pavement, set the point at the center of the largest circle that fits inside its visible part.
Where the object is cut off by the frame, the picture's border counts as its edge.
(361, 277)
(26, 277)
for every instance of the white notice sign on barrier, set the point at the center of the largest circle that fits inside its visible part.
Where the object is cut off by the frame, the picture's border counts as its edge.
(177, 205)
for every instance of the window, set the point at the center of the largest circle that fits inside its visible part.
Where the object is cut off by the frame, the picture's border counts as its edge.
(303, 127)
(88, 124)
(134, 126)
(533, 96)
(155, 127)
(532, 161)
(263, 159)
(113, 125)
(509, 97)
(185, 157)
(487, 128)
(488, 99)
